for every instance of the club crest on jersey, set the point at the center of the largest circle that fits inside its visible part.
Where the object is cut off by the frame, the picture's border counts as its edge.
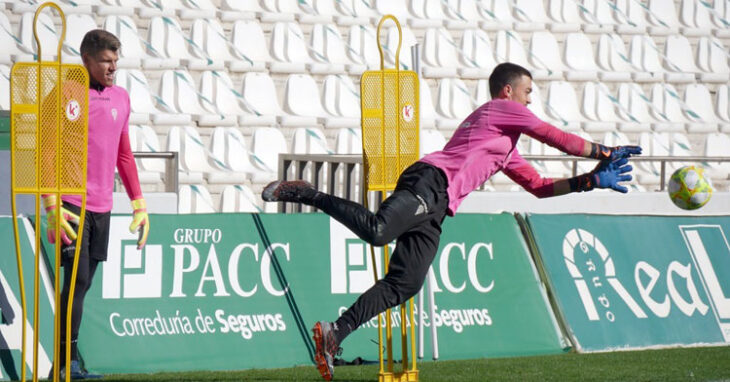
(73, 110)
(114, 113)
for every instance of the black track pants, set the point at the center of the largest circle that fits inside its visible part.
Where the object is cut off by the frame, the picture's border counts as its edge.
(413, 215)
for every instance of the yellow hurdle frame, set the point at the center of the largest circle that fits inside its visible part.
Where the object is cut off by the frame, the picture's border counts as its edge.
(48, 143)
(390, 137)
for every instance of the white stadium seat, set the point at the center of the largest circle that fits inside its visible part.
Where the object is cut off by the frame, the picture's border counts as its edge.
(722, 107)
(530, 15)
(11, 47)
(612, 59)
(633, 111)
(482, 94)
(132, 56)
(718, 145)
(508, 47)
(219, 89)
(700, 110)
(327, 47)
(362, 46)
(47, 35)
(537, 105)
(143, 101)
(349, 141)
(259, 98)
(720, 19)
(178, 90)
(196, 9)
(439, 52)
(408, 39)
(309, 140)
(497, 14)
(250, 46)
(426, 14)
(194, 199)
(453, 103)
(476, 54)
(544, 55)
(598, 17)
(459, 14)
(630, 17)
(679, 60)
(431, 140)
(266, 145)
(428, 111)
(667, 109)
(167, 36)
(662, 16)
(302, 102)
(289, 50)
(214, 45)
(149, 170)
(341, 100)
(578, 56)
(563, 16)
(239, 198)
(78, 25)
(357, 12)
(239, 10)
(562, 105)
(712, 59)
(694, 19)
(597, 106)
(644, 56)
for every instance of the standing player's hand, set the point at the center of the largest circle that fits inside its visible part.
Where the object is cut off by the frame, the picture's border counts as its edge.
(52, 209)
(608, 174)
(140, 221)
(620, 152)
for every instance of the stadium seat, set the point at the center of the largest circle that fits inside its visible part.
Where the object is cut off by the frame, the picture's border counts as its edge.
(562, 105)
(325, 8)
(356, 12)
(712, 59)
(408, 39)
(223, 172)
(143, 107)
(305, 10)
(497, 15)
(266, 145)
(460, 14)
(453, 104)
(259, 98)
(644, 56)
(476, 54)
(630, 17)
(214, 45)
(236, 154)
(482, 94)
(431, 140)
(399, 9)
(612, 59)
(47, 35)
(508, 47)
(195, 159)
(174, 143)
(547, 168)
(439, 52)
(694, 19)
(544, 55)
(144, 139)
(150, 8)
(563, 15)
(652, 144)
(721, 19)
(218, 88)
(667, 109)
(699, 110)
(537, 105)
(327, 47)
(530, 15)
(309, 140)
(718, 145)
(165, 35)
(428, 111)
(177, 89)
(598, 17)
(250, 44)
(194, 199)
(113, 7)
(11, 47)
(362, 46)
(578, 56)
(426, 14)
(341, 100)
(196, 10)
(722, 106)
(289, 50)
(133, 56)
(662, 16)
(302, 102)
(240, 10)
(4, 87)
(78, 25)
(633, 111)
(239, 198)
(75, 7)
(272, 14)
(349, 141)
(679, 60)
(598, 107)
(680, 147)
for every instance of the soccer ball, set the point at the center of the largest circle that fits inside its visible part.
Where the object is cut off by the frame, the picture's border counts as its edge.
(689, 189)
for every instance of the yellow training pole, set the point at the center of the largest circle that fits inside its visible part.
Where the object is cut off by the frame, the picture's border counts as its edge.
(49, 140)
(389, 102)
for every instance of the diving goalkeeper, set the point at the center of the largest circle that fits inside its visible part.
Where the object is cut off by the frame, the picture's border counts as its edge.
(108, 146)
(434, 187)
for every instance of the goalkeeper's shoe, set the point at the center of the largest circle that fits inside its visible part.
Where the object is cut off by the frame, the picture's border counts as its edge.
(297, 191)
(77, 372)
(327, 348)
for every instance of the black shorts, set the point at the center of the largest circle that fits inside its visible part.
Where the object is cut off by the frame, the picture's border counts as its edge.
(96, 234)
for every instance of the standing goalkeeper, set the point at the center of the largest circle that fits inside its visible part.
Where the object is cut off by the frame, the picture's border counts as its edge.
(108, 147)
(434, 187)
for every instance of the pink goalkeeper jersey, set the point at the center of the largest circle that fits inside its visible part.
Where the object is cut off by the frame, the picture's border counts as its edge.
(108, 120)
(484, 143)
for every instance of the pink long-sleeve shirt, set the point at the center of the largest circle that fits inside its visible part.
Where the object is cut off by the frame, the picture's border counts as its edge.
(485, 143)
(108, 147)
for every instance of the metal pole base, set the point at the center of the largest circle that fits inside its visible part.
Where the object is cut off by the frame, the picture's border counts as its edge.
(404, 376)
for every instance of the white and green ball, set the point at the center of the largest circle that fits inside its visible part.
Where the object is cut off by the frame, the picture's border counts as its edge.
(689, 189)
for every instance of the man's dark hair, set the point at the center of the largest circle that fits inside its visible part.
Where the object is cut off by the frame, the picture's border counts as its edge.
(504, 74)
(98, 40)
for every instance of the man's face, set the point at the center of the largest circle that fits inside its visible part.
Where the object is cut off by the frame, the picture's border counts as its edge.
(102, 66)
(520, 92)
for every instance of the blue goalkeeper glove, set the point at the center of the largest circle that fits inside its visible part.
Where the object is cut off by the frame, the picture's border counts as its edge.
(607, 174)
(601, 152)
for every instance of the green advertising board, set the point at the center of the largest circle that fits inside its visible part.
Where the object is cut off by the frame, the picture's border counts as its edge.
(237, 291)
(11, 326)
(638, 281)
